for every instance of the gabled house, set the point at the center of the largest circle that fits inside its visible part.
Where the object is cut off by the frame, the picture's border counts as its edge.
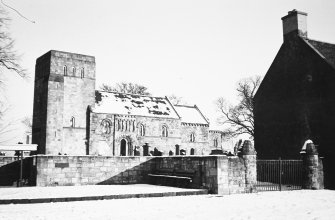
(296, 100)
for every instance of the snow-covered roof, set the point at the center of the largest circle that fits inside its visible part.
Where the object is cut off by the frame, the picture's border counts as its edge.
(190, 114)
(130, 104)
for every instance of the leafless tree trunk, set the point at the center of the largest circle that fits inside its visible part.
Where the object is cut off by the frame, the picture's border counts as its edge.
(240, 118)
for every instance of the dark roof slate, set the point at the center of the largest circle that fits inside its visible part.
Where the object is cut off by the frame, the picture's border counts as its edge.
(327, 50)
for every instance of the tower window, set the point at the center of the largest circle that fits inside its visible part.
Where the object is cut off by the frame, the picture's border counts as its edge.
(73, 122)
(164, 131)
(65, 70)
(215, 142)
(82, 73)
(142, 130)
(192, 137)
(74, 71)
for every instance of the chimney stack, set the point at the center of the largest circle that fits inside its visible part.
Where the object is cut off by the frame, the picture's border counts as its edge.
(295, 22)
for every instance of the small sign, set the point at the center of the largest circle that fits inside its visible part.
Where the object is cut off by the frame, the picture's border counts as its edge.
(61, 165)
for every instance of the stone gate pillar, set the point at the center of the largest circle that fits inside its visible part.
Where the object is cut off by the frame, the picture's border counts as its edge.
(312, 168)
(249, 156)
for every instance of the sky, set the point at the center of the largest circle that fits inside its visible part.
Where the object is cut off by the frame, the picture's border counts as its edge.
(196, 49)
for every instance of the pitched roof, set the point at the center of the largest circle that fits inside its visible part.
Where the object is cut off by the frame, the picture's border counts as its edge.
(191, 114)
(129, 104)
(326, 50)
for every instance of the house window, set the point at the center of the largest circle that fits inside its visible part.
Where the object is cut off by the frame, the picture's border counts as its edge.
(142, 130)
(215, 142)
(192, 137)
(73, 122)
(65, 70)
(164, 131)
(82, 73)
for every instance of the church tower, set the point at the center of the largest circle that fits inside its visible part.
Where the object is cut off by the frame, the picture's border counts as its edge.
(64, 88)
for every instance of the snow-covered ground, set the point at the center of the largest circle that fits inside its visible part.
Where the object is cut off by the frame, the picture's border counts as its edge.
(82, 191)
(301, 204)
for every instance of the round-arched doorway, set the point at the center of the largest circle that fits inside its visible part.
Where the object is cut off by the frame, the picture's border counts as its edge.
(123, 148)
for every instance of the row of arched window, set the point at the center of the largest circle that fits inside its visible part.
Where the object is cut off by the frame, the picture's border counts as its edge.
(74, 70)
(125, 125)
(165, 132)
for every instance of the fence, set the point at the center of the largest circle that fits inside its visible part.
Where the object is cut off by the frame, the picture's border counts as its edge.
(278, 175)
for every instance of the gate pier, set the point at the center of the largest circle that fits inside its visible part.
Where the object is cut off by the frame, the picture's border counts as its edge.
(312, 168)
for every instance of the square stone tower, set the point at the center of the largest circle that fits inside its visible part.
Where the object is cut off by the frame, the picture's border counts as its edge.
(64, 88)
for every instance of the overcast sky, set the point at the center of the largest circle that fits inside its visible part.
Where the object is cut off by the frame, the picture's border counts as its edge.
(194, 49)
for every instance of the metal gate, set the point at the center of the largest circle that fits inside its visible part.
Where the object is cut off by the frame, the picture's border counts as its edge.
(278, 175)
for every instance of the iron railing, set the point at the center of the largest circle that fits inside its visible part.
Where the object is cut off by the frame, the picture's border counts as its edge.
(278, 175)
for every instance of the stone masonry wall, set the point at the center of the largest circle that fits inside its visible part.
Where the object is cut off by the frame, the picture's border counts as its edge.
(200, 143)
(90, 170)
(218, 174)
(128, 128)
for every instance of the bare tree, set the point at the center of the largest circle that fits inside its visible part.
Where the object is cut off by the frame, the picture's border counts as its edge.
(126, 87)
(176, 100)
(28, 124)
(9, 62)
(9, 59)
(7, 125)
(240, 117)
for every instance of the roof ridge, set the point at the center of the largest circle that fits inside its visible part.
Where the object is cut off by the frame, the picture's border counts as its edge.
(125, 93)
(319, 52)
(172, 107)
(188, 106)
(325, 42)
(196, 107)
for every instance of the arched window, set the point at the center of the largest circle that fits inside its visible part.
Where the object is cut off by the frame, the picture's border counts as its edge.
(192, 151)
(192, 137)
(74, 71)
(73, 122)
(106, 126)
(177, 149)
(118, 125)
(65, 70)
(164, 131)
(82, 73)
(215, 142)
(123, 148)
(142, 130)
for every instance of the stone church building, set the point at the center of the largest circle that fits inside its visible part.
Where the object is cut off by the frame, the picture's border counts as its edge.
(296, 99)
(71, 117)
